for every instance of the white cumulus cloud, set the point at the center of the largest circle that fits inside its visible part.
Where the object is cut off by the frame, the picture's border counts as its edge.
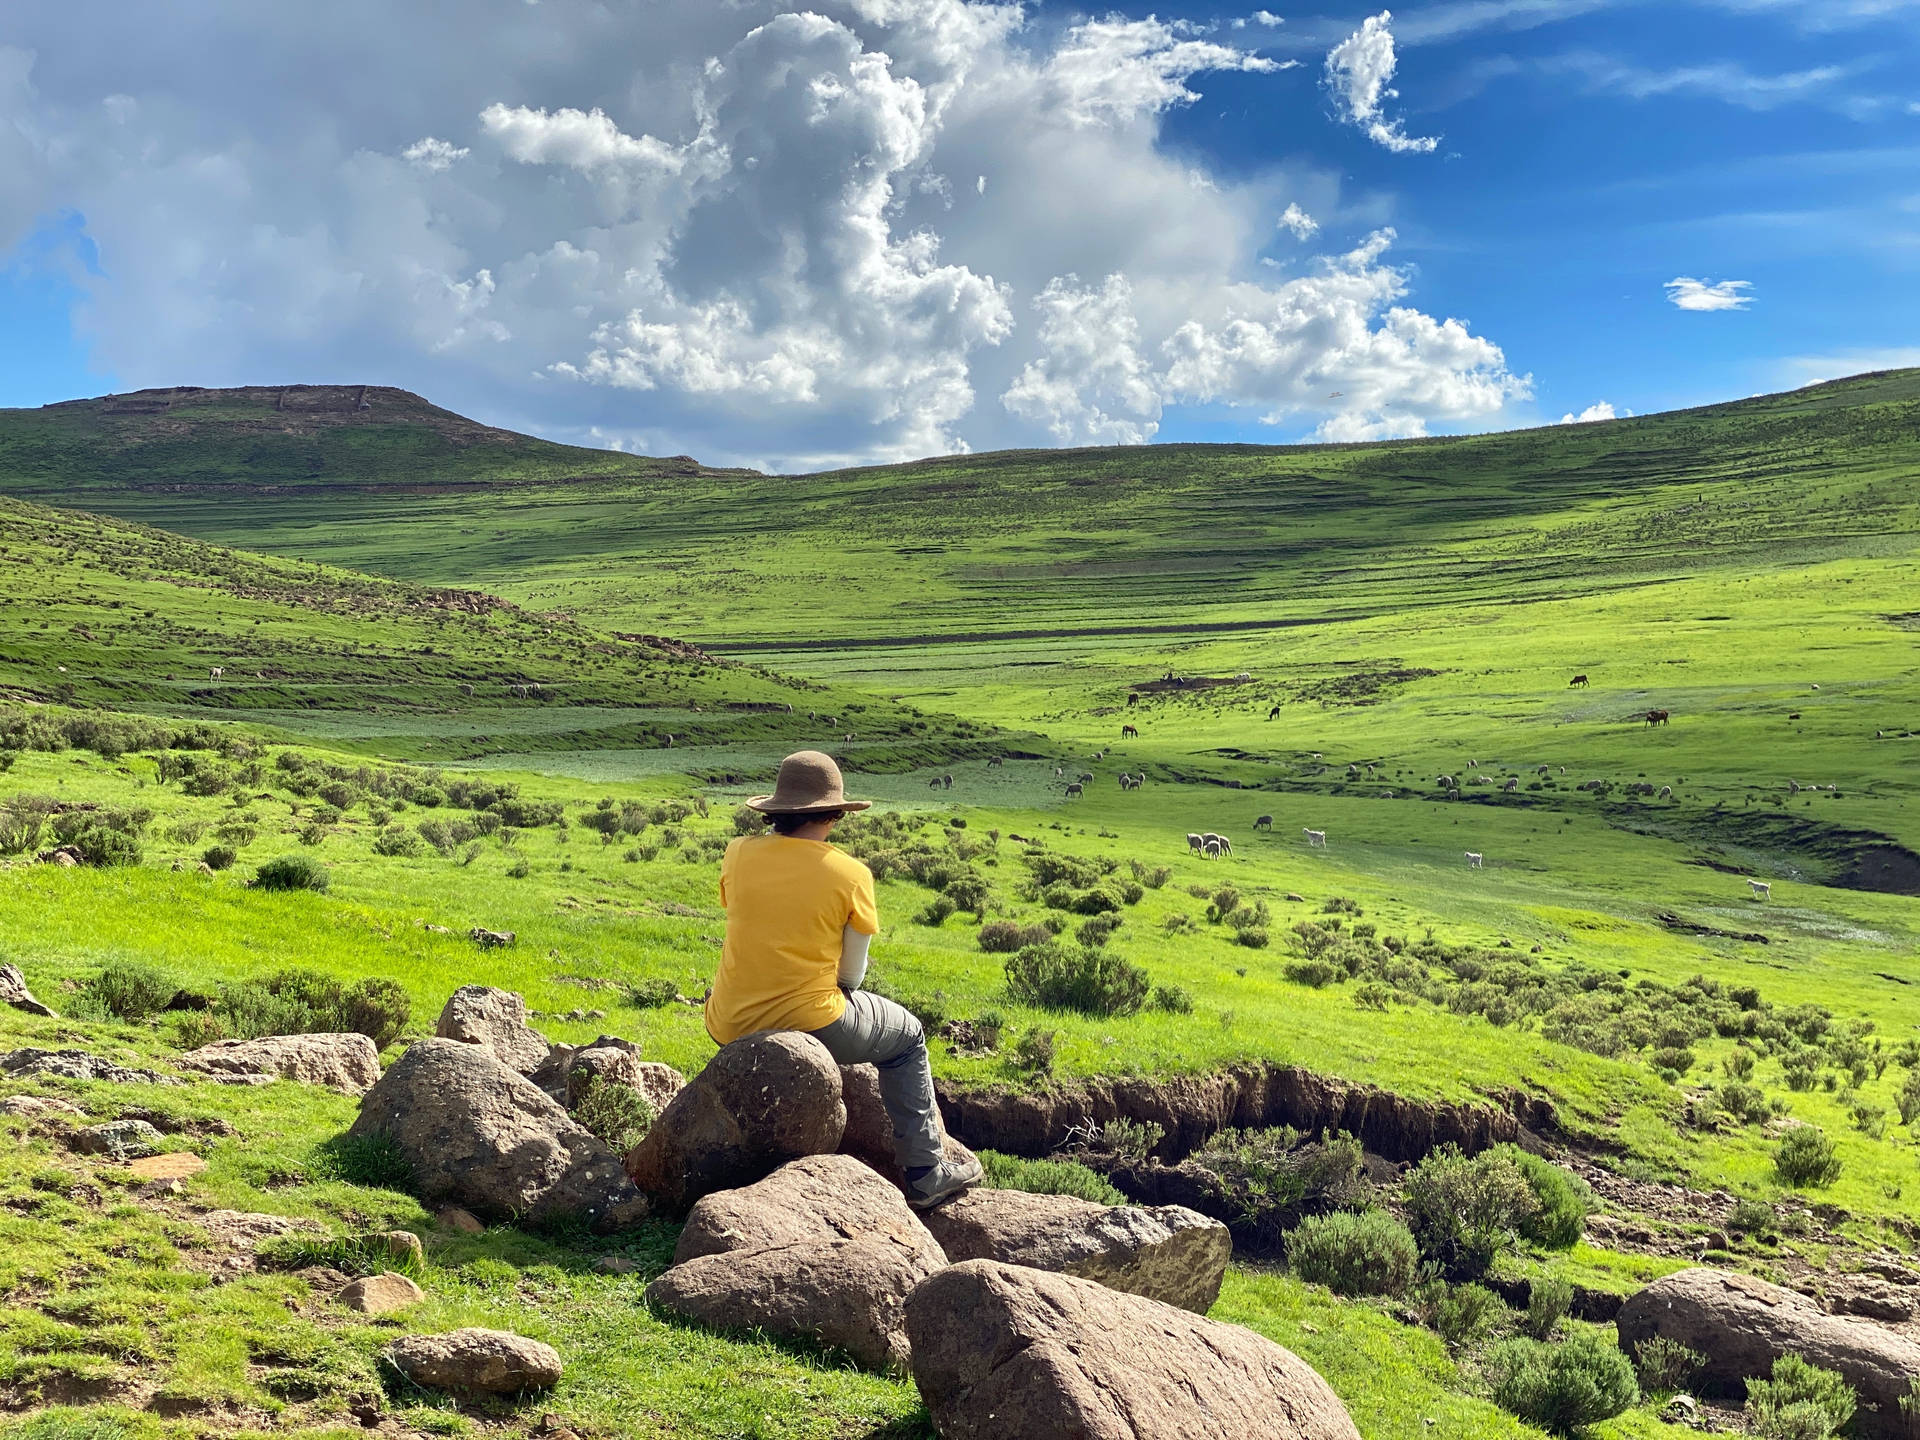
(1357, 74)
(742, 232)
(1599, 410)
(1303, 225)
(1690, 294)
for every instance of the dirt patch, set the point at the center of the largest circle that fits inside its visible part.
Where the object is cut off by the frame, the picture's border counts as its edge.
(1190, 1109)
(1827, 854)
(1691, 927)
(1177, 684)
(1362, 687)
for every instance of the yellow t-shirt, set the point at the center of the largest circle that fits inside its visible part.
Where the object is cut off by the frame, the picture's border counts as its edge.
(787, 900)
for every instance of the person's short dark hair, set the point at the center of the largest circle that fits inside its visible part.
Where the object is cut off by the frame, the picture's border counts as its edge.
(787, 823)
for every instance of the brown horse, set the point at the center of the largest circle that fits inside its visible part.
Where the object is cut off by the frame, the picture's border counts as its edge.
(1579, 680)
(1129, 732)
(1657, 717)
(1133, 697)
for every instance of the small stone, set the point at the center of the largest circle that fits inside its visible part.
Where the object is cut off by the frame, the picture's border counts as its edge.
(119, 1139)
(174, 1167)
(461, 1222)
(496, 1361)
(1717, 1240)
(14, 992)
(615, 1265)
(402, 1245)
(382, 1294)
(31, 1106)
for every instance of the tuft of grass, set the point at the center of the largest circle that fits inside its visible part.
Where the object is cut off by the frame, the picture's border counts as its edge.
(1047, 1177)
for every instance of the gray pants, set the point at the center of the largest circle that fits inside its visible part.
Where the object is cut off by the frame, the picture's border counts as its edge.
(880, 1033)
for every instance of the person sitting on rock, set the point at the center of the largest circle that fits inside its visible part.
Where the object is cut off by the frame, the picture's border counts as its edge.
(800, 914)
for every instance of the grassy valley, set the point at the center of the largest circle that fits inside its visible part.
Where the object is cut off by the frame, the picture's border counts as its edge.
(1314, 637)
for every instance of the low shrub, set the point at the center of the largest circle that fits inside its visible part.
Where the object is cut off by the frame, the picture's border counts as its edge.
(1806, 1157)
(1365, 1252)
(1564, 1199)
(1003, 937)
(1907, 1098)
(1800, 1401)
(1047, 1177)
(1098, 930)
(652, 994)
(219, 857)
(1744, 1103)
(127, 990)
(1465, 1210)
(292, 872)
(1563, 1388)
(1174, 999)
(1549, 1298)
(1464, 1314)
(396, 842)
(936, 911)
(1089, 981)
(1666, 1365)
(619, 1114)
(1751, 1217)
(1314, 974)
(1254, 937)
(1269, 1181)
(1033, 1052)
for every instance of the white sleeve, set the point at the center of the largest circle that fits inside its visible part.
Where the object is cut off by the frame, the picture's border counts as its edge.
(853, 957)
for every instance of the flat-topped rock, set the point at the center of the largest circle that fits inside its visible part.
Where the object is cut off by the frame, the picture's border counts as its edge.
(28, 1062)
(1164, 1252)
(495, 1361)
(343, 1061)
(818, 1199)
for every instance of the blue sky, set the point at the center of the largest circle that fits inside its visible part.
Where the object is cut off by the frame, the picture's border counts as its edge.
(799, 235)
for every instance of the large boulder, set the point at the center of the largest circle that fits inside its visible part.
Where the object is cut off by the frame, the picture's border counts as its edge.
(869, 1133)
(480, 1135)
(1164, 1252)
(495, 1020)
(1002, 1352)
(767, 1098)
(845, 1293)
(29, 1062)
(343, 1061)
(1742, 1325)
(14, 992)
(822, 1249)
(623, 1066)
(496, 1361)
(819, 1199)
(119, 1140)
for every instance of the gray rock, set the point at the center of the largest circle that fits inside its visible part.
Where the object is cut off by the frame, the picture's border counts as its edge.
(1164, 1252)
(30, 1107)
(120, 1140)
(1742, 1325)
(76, 1065)
(479, 1135)
(496, 1361)
(14, 992)
(383, 1294)
(495, 1020)
(1001, 1352)
(347, 1062)
(765, 1099)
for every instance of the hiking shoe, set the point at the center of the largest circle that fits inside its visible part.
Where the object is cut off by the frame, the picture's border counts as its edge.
(946, 1180)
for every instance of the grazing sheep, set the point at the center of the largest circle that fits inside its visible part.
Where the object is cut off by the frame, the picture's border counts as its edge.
(1471, 764)
(216, 672)
(1086, 777)
(1212, 850)
(1222, 841)
(668, 742)
(1133, 697)
(1793, 787)
(1193, 842)
(1761, 889)
(1666, 792)
(1563, 769)
(1058, 771)
(466, 690)
(1316, 837)
(1075, 791)
(946, 782)
(1316, 754)
(1513, 783)
(1445, 782)
(1473, 859)
(1273, 712)
(1243, 677)
(997, 760)
(1263, 822)
(934, 784)
(1545, 769)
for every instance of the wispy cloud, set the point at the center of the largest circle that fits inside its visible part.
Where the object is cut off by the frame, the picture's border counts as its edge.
(1358, 69)
(1718, 80)
(1688, 293)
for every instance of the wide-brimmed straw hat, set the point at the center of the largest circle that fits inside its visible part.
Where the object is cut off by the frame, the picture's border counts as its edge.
(809, 783)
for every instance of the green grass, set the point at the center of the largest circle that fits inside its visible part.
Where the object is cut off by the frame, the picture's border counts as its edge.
(1414, 606)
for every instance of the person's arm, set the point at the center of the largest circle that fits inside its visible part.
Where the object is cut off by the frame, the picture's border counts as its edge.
(853, 957)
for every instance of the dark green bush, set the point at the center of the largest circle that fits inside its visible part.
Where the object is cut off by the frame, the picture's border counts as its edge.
(219, 857)
(1666, 1365)
(1098, 930)
(1800, 1402)
(1033, 1052)
(619, 1114)
(653, 993)
(1365, 1252)
(128, 990)
(1564, 1199)
(396, 841)
(1563, 1388)
(1806, 1157)
(1463, 1314)
(1089, 981)
(376, 1008)
(1314, 974)
(1174, 999)
(936, 911)
(292, 872)
(1003, 937)
(1465, 1211)
(1269, 1180)
(1549, 1298)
